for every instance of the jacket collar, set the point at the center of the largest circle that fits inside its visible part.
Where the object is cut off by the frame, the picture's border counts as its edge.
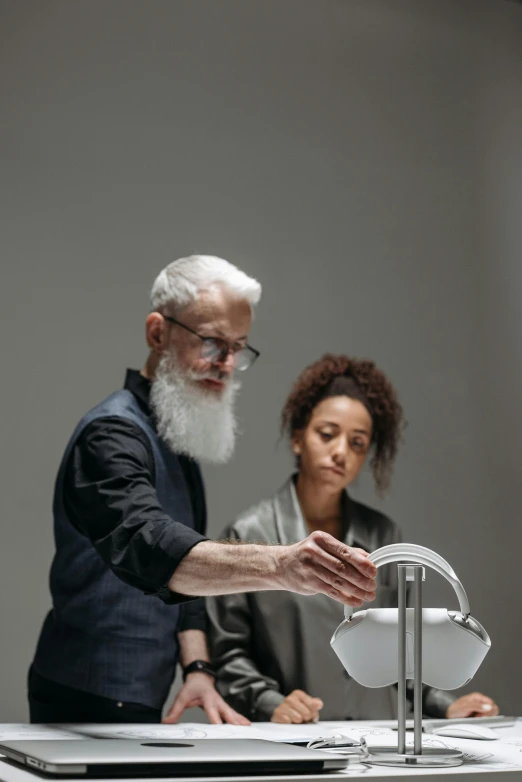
(291, 526)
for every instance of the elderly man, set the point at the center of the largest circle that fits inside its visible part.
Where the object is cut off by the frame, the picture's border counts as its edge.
(129, 517)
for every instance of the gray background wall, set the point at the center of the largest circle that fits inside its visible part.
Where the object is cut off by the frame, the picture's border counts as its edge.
(362, 159)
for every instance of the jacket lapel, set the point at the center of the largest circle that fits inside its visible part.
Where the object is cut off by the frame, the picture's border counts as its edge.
(358, 532)
(290, 525)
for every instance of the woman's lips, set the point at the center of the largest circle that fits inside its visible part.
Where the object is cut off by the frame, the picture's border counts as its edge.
(335, 470)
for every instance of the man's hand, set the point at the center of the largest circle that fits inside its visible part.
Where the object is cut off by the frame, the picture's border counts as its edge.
(321, 563)
(298, 707)
(199, 690)
(473, 705)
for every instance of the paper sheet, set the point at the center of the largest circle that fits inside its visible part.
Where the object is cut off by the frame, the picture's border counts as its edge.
(11, 731)
(192, 730)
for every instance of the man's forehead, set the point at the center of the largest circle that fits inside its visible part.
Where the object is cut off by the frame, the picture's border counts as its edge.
(219, 307)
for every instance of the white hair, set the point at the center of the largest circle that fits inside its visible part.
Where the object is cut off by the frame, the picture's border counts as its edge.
(180, 282)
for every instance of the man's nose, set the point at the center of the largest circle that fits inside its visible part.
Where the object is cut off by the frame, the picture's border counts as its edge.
(227, 364)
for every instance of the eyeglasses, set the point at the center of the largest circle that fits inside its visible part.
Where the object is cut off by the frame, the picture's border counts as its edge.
(214, 349)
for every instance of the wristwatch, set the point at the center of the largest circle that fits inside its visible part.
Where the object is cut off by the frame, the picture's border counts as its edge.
(202, 666)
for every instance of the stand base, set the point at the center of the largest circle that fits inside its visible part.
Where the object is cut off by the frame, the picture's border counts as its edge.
(432, 757)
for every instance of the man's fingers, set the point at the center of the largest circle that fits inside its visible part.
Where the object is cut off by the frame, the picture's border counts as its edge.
(213, 715)
(181, 702)
(170, 718)
(342, 589)
(215, 706)
(322, 583)
(341, 568)
(361, 551)
(178, 707)
(233, 717)
(344, 578)
(316, 584)
(346, 599)
(352, 556)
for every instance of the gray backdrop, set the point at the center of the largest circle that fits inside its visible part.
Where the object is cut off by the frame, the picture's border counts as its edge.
(362, 159)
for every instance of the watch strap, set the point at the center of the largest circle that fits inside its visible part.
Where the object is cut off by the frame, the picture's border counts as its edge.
(200, 666)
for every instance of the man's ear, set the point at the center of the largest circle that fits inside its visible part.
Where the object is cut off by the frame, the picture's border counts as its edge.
(156, 332)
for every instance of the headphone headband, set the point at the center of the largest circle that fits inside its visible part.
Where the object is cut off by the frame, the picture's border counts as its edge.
(409, 552)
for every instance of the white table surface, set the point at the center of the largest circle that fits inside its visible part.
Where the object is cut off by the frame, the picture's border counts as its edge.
(502, 758)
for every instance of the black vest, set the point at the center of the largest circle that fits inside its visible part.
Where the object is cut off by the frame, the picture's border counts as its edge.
(102, 635)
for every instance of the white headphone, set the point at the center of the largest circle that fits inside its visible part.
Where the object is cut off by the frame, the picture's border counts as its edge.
(409, 552)
(454, 644)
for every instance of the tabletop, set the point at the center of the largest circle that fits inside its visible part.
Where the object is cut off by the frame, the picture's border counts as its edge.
(502, 756)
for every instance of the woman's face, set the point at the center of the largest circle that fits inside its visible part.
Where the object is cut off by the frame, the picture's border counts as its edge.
(333, 446)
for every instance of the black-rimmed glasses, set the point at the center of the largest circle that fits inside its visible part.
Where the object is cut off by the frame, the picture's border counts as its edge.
(214, 349)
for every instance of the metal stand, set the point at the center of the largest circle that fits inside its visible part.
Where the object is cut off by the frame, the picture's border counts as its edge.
(433, 757)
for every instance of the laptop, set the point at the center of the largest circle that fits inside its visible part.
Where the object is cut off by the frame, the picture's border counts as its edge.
(193, 757)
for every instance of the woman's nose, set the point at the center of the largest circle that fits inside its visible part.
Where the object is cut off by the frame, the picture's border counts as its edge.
(341, 450)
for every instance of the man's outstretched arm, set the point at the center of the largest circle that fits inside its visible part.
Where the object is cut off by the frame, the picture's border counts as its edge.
(319, 563)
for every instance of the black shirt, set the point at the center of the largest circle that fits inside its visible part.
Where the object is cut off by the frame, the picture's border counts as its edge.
(110, 496)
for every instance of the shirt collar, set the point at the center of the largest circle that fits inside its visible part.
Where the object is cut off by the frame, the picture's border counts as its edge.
(140, 386)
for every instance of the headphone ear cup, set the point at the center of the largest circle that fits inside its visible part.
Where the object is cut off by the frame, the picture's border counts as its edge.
(452, 654)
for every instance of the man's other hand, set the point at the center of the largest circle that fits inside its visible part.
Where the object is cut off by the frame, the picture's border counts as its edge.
(199, 690)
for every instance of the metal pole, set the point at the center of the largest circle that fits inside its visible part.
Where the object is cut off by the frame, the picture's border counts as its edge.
(401, 682)
(417, 656)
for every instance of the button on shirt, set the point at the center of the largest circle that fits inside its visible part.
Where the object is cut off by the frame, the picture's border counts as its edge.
(110, 496)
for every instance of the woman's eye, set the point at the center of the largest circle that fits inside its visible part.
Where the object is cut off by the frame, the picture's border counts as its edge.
(359, 445)
(326, 435)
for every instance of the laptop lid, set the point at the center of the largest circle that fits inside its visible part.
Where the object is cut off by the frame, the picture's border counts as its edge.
(191, 757)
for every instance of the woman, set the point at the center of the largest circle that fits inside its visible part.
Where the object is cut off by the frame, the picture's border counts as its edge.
(272, 649)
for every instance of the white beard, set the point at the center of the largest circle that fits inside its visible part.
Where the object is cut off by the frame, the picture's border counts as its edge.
(191, 420)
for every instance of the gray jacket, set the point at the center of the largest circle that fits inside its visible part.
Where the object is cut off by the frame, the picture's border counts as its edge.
(267, 644)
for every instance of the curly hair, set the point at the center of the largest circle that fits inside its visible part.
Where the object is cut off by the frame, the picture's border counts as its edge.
(359, 379)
